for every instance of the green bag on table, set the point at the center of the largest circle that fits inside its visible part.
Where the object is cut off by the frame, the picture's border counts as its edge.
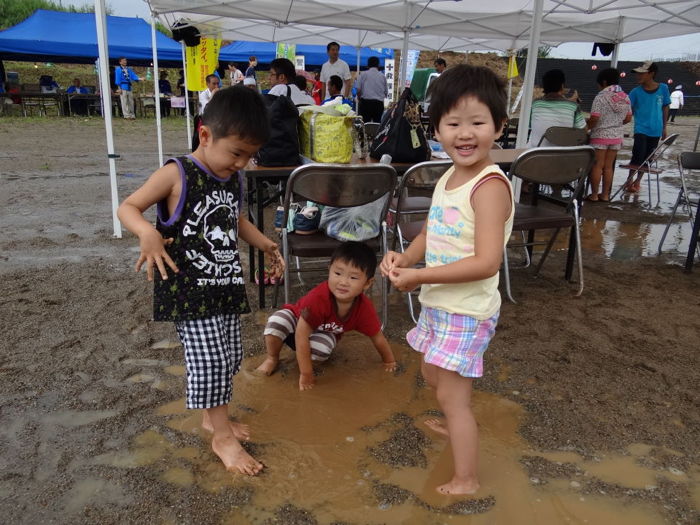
(325, 135)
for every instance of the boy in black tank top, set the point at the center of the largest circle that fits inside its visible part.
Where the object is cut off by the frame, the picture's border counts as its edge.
(192, 255)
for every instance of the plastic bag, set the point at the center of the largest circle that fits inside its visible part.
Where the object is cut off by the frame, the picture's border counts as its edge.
(325, 135)
(358, 223)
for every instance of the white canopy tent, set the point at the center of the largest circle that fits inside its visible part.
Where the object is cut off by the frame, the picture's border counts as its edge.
(437, 24)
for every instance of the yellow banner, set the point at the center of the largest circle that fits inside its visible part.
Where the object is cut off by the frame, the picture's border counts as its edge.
(202, 60)
(512, 68)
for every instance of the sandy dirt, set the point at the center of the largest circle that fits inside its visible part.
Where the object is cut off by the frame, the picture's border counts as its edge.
(597, 392)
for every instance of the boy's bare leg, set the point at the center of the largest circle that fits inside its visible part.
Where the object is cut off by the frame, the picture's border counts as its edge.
(226, 445)
(239, 430)
(273, 347)
(454, 396)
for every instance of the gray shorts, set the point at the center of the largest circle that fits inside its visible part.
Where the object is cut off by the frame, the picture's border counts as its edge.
(283, 324)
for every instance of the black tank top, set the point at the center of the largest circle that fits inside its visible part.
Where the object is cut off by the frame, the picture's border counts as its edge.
(204, 227)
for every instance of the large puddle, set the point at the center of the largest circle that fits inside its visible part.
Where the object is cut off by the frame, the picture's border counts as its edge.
(354, 449)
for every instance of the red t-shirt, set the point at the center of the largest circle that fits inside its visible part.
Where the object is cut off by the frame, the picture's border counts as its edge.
(318, 308)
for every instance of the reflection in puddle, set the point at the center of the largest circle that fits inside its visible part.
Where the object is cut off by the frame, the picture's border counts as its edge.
(355, 449)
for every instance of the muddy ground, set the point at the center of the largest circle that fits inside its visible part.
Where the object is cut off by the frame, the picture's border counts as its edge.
(84, 372)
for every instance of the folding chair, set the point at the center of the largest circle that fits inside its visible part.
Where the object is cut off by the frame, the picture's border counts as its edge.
(563, 136)
(687, 161)
(568, 165)
(340, 186)
(649, 167)
(371, 130)
(412, 201)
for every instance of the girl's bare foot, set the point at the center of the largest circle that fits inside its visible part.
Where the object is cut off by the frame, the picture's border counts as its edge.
(233, 456)
(459, 487)
(437, 425)
(239, 430)
(268, 366)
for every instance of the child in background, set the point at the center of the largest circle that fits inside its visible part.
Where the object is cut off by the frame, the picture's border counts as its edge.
(469, 223)
(193, 247)
(314, 325)
(610, 111)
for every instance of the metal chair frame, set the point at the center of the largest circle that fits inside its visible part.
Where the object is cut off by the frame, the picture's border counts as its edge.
(555, 165)
(649, 167)
(687, 161)
(563, 136)
(341, 186)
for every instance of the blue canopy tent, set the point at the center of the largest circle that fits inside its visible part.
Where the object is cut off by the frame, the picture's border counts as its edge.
(313, 55)
(54, 36)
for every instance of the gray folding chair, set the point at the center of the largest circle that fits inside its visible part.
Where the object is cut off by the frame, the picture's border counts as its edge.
(650, 167)
(563, 136)
(568, 165)
(687, 162)
(410, 206)
(340, 186)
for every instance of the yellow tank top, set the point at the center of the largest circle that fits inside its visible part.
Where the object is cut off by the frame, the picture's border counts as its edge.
(450, 237)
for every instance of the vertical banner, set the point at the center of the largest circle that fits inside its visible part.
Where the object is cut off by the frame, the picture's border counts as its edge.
(299, 62)
(202, 60)
(390, 74)
(411, 62)
(512, 68)
(288, 51)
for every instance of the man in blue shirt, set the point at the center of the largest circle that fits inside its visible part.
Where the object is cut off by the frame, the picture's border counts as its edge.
(123, 77)
(650, 101)
(77, 106)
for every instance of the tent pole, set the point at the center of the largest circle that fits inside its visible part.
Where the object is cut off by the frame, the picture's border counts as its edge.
(404, 63)
(187, 99)
(529, 80)
(618, 42)
(106, 95)
(156, 86)
(358, 48)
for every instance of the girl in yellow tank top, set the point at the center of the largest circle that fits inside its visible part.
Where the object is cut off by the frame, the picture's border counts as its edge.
(470, 220)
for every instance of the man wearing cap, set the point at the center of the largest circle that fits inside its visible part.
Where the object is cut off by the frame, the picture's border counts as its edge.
(649, 101)
(676, 102)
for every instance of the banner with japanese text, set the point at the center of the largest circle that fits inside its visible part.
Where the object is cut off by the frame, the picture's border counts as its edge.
(202, 60)
(390, 74)
(286, 51)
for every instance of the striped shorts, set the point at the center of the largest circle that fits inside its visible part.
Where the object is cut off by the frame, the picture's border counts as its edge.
(213, 355)
(452, 341)
(283, 323)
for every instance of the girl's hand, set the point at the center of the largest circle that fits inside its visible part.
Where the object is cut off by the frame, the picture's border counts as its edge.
(153, 253)
(306, 381)
(390, 261)
(404, 279)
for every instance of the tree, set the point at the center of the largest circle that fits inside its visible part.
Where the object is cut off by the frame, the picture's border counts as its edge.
(12, 12)
(542, 52)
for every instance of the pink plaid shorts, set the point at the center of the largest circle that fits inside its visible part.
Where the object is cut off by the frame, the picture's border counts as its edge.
(452, 341)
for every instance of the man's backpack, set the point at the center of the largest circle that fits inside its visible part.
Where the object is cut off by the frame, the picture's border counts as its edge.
(401, 134)
(283, 147)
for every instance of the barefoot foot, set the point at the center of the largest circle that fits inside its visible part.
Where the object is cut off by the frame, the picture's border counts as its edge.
(437, 425)
(239, 430)
(234, 457)
(268, 366)
(459, 487)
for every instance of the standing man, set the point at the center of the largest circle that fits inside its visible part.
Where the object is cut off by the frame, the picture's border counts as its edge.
(440, 65)
(123, 77)
(205, 96)
(335, 66)
(676, 102)
(649, 101)
(372, 90)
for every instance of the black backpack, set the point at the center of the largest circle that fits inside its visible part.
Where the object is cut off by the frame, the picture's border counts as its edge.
(283, 147)
(401, 134)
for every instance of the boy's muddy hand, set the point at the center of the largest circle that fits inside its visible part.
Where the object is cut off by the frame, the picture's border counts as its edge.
(390, 367)
(276, 261)
(306, 381)
(153, 253)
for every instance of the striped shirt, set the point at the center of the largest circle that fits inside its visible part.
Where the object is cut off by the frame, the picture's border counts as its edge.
(548, 112)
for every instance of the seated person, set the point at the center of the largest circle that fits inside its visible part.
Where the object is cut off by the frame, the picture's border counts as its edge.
(300, 82)
(79, 106)
(335, 88)
(212, 82)
(166, 90)
(553, 109)
(48, 84)
(282, 77)
(313, 326)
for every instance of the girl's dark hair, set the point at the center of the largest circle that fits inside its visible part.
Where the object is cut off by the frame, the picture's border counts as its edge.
(610, 76)
(464, 80)
(240, 111)
(358, 254)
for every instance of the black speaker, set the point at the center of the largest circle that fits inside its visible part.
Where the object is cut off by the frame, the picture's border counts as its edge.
(187, 33)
